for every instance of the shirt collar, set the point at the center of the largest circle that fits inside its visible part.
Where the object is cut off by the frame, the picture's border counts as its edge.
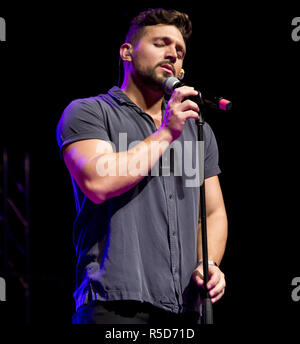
(122, 98)
(119, 96)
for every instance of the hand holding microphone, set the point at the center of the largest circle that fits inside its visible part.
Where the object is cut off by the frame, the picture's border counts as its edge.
(205, 98)
(179, 109)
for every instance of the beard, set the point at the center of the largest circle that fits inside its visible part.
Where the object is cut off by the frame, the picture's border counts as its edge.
(149, 75)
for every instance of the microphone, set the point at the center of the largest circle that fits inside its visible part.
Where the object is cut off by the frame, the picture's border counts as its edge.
(207, 99)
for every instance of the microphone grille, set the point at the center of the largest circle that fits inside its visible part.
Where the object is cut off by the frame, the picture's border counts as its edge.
(169, 85)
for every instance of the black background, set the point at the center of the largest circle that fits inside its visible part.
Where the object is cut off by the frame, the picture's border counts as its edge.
(54, 54)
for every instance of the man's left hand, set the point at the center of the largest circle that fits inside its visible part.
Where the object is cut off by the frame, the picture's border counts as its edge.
(216, 283)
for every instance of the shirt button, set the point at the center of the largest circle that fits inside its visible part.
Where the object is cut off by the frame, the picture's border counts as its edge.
(174, 233)
(171, 196)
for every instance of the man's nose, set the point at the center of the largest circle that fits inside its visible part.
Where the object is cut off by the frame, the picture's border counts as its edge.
(171, 54)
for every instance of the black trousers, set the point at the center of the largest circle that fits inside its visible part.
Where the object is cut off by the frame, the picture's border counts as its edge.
(131, 312)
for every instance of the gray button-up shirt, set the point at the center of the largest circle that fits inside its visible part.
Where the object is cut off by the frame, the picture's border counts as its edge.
(141, 245)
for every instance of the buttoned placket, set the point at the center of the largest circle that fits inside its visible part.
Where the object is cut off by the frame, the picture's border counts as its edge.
(170, 194)
(173, 234)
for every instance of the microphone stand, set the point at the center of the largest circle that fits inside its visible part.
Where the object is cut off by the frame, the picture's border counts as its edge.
(207, 310)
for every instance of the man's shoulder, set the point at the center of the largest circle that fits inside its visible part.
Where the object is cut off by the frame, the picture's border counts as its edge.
(95, 104)
(90, 101)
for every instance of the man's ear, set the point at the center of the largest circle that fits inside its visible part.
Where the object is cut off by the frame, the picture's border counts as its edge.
(125, 52)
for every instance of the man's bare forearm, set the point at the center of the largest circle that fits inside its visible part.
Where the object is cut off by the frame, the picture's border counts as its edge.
(216, 224)
(113, 174)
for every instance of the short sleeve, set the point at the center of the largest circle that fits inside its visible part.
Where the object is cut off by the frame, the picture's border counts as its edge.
(211, 164)
(81, 120)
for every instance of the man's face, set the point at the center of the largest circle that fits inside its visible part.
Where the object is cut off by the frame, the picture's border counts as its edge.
(158, 55)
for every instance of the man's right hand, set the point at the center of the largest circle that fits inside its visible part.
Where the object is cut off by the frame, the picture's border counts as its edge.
(179, 110)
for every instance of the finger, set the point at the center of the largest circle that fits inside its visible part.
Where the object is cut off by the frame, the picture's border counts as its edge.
(189, 105)
(214, 279)
(217, 289)
(217, 297)
(219, 286)
(191, 114)
(198, 278)
(182, 92)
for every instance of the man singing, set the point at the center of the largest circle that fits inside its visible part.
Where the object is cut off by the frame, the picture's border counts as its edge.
(137, 231)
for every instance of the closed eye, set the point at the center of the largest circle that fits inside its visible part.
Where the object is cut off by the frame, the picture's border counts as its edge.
(162, 42)
(159, 44)
(180, 54)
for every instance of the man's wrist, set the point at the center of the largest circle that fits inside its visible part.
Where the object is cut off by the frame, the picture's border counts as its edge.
(210, 262)
(163, 134)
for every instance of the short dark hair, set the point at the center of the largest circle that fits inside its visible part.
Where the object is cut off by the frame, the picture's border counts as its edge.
(154, 16)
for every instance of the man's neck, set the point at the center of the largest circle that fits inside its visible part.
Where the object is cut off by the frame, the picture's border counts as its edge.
(148, 100)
